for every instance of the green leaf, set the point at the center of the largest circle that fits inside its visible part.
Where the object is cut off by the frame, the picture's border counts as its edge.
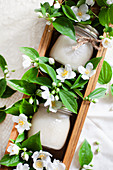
(85, 154)
(2, 63)
(70, 3)
(111, 14)
(80, 2)
(33, 143)
(31, 52)
(97, 93)
(43, 9)
(68, 12)
(95, 62)
(68, 100)
(2, 86)
(101, 2)
(23, 86)
(49, 70)
(44, 81)
(78, 92)
(111, 89)
(47, 7)
(2, 116)
(14, 110)
(8, 92)
(65, 27)
(10, 161)
(30, 74)
(26, 108)
(79, 83)
(105, 73)
(43, 59)
(56, 14)
(20, 138)
(104, 16)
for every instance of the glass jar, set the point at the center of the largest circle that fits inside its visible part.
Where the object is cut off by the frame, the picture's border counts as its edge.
(53, 127)
(64, 53)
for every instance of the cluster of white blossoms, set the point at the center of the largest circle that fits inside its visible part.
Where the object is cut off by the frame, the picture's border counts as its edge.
(51, 101)
(86, 72)
(109, 2)
(22, 123)
(41, 160)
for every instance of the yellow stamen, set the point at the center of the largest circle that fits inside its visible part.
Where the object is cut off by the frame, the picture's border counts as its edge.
(79, 14)
(53, 103)
(87, 71)
(64, 73)
(42, 156)
(106, 42)
(21, 123)
(39, 164)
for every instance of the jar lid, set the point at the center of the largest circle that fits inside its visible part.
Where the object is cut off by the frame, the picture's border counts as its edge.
(65, 111)
(87, 29)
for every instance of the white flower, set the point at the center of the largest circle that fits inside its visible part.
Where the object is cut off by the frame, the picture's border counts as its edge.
(46, 95)
(58, 165)
(65, 73)
(23, 124)
(109, 2)
(56, 98)
(90, 2)
(81, 12)
(48, 23)
(26, 61)
(13, 149)
(6, 71)
(40, 15)
(87, 72)
(55, 105)
(22, 167)
(43, 155)
(106, 43)
(57, 5)
(39, 164)
(51, 61)
(25, 156)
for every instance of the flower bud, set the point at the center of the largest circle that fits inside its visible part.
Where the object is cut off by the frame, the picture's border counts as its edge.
(54, 84)
(56, 98)
(53, 92)
(59, 84)
(35, 64)
(57, 89)
(31, 100)
(51, 61)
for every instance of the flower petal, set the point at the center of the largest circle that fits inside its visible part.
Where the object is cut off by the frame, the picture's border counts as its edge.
(81, 69)
(85, 17)
(60, 70)
(15, 119)
(68, 67)
(89, 66)
(85, 77)
(92, 73)
(83, 8)
(74, 9)
(72, 75)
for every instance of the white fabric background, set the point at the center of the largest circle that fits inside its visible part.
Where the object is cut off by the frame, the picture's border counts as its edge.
(20, 26)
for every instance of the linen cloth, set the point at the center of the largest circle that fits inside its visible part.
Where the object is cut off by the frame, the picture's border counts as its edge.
(20, 26)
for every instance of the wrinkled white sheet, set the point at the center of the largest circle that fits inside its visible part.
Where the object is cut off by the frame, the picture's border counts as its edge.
(20, 26)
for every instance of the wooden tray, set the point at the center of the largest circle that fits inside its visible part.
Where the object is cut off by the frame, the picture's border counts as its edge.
(70, 150)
